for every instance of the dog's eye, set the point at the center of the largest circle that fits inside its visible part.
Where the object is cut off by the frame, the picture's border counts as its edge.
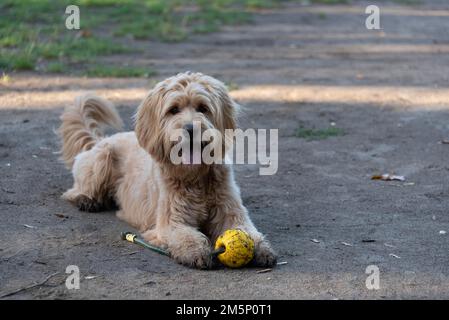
(174, 110)
(202, 108)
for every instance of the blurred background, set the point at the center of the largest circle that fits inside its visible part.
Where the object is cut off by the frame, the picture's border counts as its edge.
(349, 103)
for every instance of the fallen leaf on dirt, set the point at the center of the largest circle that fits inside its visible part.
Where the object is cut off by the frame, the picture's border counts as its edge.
(28, 226)
(84, 34)
(395, 256)
(60, 215)
(388, 177)
(315, 240)
(264, 270)
(346, 244)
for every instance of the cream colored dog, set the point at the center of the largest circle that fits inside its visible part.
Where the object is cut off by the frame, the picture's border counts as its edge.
(182, 208)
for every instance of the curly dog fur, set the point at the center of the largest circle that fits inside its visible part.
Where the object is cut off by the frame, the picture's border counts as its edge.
(182, 208)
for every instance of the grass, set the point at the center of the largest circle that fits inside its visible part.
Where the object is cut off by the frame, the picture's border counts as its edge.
(118, 72)
(330, 1)
(56, 67)
(319, 134)
(322, 15)
(33, 35)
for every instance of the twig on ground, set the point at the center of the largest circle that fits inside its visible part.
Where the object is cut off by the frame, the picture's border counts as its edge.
(264, 270)
(28, 287)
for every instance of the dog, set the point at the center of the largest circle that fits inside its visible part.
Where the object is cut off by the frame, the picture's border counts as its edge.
(180, 207)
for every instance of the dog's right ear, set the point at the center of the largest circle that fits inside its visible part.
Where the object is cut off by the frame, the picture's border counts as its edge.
(147, 125)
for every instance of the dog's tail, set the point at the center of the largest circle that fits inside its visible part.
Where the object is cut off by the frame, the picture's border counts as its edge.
(82, 124)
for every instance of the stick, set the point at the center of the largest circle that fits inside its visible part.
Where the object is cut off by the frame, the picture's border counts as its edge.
(129, 236)
(29, 287)
(133, 238)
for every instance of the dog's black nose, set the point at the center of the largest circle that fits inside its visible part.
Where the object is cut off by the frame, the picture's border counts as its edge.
(189, 129)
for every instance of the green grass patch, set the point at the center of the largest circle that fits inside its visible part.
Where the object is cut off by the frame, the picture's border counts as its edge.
(330, 1)
(56, 67)
(33, 33)
(318, 134)
(24, 60)
(118, 72)
(322, 15)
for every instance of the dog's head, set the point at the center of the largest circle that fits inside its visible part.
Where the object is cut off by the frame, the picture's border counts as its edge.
(182, 103)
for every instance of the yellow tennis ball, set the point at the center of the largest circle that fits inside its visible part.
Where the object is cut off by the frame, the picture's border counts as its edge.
(239, 248)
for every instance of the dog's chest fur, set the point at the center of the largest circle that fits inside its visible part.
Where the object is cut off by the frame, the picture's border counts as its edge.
(198, 199)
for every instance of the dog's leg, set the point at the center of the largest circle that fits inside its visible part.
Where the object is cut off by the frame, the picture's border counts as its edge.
(93, 175)
(234, 215)
(186, 245)
(264, 255)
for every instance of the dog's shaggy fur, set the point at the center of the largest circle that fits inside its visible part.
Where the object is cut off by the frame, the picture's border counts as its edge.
(182, 208)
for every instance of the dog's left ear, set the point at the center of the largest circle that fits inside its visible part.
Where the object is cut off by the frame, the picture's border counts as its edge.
(229, 107)
(230, 110)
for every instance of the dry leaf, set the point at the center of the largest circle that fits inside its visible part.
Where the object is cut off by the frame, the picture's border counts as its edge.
(84, 34)
(315, 240)
(388, 177)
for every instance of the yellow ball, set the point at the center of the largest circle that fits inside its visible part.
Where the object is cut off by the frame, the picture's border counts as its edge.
(239, 248)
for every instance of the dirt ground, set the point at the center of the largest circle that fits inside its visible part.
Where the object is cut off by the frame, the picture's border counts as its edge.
(296, 66)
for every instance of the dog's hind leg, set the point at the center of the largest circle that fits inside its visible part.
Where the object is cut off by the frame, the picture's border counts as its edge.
(94, 173)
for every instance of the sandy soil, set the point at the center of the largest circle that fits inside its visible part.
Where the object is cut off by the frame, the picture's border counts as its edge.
(301, 65)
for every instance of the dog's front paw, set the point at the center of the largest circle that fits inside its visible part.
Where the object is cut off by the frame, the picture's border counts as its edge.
(201, 259)
(192, 252)
(264, 255)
